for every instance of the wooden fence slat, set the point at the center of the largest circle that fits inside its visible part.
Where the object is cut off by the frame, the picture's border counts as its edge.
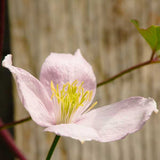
(102, 30)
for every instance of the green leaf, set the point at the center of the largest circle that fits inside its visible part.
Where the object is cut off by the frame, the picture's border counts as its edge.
(150, 34)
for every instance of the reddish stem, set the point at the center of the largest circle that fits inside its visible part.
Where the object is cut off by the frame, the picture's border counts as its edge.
(2, 23)
(7, 138)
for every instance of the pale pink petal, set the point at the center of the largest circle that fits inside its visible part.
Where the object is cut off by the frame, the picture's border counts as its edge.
(115, 121)
(79, 132)
(63, 68)
(32, 94)
(109, 123)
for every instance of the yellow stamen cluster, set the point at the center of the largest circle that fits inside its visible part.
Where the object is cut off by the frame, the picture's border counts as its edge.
(70, 98)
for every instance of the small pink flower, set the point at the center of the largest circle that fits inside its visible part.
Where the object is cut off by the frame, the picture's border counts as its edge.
(61, 101)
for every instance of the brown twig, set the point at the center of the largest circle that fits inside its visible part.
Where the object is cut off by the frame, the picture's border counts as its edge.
(152, 55)
(8, 125)
(152, 60)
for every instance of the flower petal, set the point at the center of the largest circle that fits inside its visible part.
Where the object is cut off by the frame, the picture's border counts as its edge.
(115, 121)
(109, 123)
(63, 68)
(79, 132)
(32, 94)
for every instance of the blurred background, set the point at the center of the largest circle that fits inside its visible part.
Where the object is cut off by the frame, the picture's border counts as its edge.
(108, 41)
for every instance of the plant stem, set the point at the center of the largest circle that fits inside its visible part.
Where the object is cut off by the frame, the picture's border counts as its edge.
(56, 139)
(2, 19)
(8, 125)
(7, 138)
(152, 55)
(151, 61)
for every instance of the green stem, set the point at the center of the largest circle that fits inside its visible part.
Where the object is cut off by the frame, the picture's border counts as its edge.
(8, 125)
(53, 146)
(126, 71)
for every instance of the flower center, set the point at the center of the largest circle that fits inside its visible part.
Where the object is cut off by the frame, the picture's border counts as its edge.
(70, 98)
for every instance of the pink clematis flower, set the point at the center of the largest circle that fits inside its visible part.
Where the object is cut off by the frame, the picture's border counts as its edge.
(61, 101)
